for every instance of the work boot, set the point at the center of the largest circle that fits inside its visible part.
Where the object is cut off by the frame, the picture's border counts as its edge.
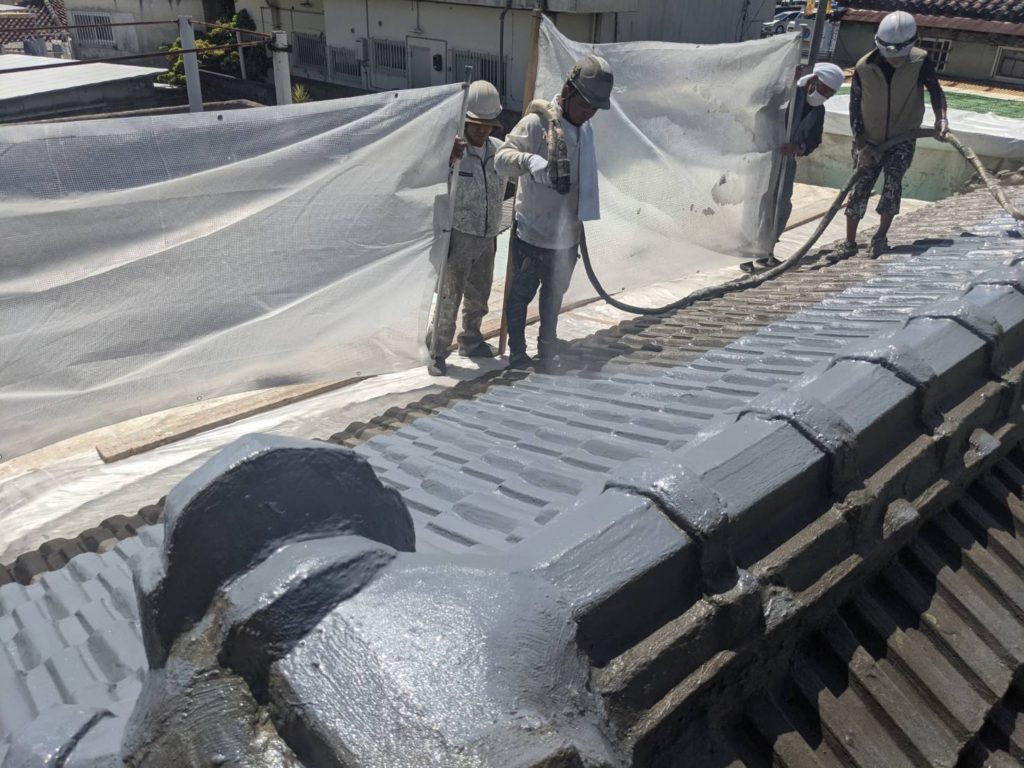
(480, 349)
(767, 262)
(550, 364)
(879, 245)
(842, 250)
(549, 349)
(438, 368)
(747, 267)
(520, 360)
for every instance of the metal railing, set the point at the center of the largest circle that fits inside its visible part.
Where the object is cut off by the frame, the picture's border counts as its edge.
(345, 64)
(309, 52)
(483, 65)
(388, 56)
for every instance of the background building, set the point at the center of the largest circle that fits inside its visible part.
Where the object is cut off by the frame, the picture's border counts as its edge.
(383, 44)
(979, 41)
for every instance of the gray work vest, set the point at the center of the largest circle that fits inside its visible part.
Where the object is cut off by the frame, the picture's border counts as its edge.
(478, 196)
(891, 108)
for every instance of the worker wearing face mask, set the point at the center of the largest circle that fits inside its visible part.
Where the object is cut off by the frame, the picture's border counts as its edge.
(812, 91)
(887, 101)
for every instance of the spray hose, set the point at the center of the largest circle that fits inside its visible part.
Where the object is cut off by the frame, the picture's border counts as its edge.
(863, 168)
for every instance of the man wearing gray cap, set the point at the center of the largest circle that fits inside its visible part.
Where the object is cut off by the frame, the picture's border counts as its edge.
(552, 150)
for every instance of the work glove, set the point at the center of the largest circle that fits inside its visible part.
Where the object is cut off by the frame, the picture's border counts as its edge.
(865, 155)
(538, 168)
(941, 128)
(458, 150)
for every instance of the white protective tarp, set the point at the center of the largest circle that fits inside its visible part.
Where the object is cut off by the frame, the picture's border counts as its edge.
(687, 154)
(152, 262)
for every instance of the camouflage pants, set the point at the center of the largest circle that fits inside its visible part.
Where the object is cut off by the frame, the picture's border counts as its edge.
(467, 281)
(894, 163)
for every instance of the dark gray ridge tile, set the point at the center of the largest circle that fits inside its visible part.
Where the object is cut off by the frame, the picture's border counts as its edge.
(873, 401)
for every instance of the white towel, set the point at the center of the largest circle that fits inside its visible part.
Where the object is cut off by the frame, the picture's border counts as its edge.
(590, 196)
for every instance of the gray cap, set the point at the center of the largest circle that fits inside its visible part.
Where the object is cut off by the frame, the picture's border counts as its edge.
(592, 77)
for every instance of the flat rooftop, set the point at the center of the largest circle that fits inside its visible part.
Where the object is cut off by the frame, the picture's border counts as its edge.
(54, 79)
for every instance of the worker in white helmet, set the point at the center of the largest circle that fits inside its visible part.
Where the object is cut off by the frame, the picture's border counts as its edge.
(812, 91)
(478, 200)
(887, 101)
(552, 151)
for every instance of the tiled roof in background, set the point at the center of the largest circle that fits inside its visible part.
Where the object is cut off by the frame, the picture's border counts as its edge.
(989, 10)
(15, 29)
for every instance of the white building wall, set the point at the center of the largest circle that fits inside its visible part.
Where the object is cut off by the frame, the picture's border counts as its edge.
(351, 26)
(695, 21)
(127, 40)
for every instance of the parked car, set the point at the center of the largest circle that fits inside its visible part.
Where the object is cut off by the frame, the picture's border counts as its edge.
(778, 25)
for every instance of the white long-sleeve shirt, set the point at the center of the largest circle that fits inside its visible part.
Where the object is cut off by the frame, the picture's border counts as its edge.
(545, 218)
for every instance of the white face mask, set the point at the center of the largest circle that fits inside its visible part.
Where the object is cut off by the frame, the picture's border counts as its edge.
(816, 99)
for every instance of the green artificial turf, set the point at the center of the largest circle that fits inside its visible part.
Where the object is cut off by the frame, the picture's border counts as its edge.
(970, 102)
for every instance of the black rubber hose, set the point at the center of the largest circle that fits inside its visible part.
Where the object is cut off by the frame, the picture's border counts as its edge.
(717, 291)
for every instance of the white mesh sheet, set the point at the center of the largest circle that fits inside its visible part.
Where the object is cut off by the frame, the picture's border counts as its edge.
(151, 262)
(686, 155)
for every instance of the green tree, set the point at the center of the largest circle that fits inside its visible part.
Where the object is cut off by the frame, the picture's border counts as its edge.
(225, 60)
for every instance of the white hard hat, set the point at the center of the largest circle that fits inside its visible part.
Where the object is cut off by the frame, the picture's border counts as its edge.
(592, 78)
(896, 35)
(484, 104)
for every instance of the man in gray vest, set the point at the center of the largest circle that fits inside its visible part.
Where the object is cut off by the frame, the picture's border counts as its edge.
(887, 101)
